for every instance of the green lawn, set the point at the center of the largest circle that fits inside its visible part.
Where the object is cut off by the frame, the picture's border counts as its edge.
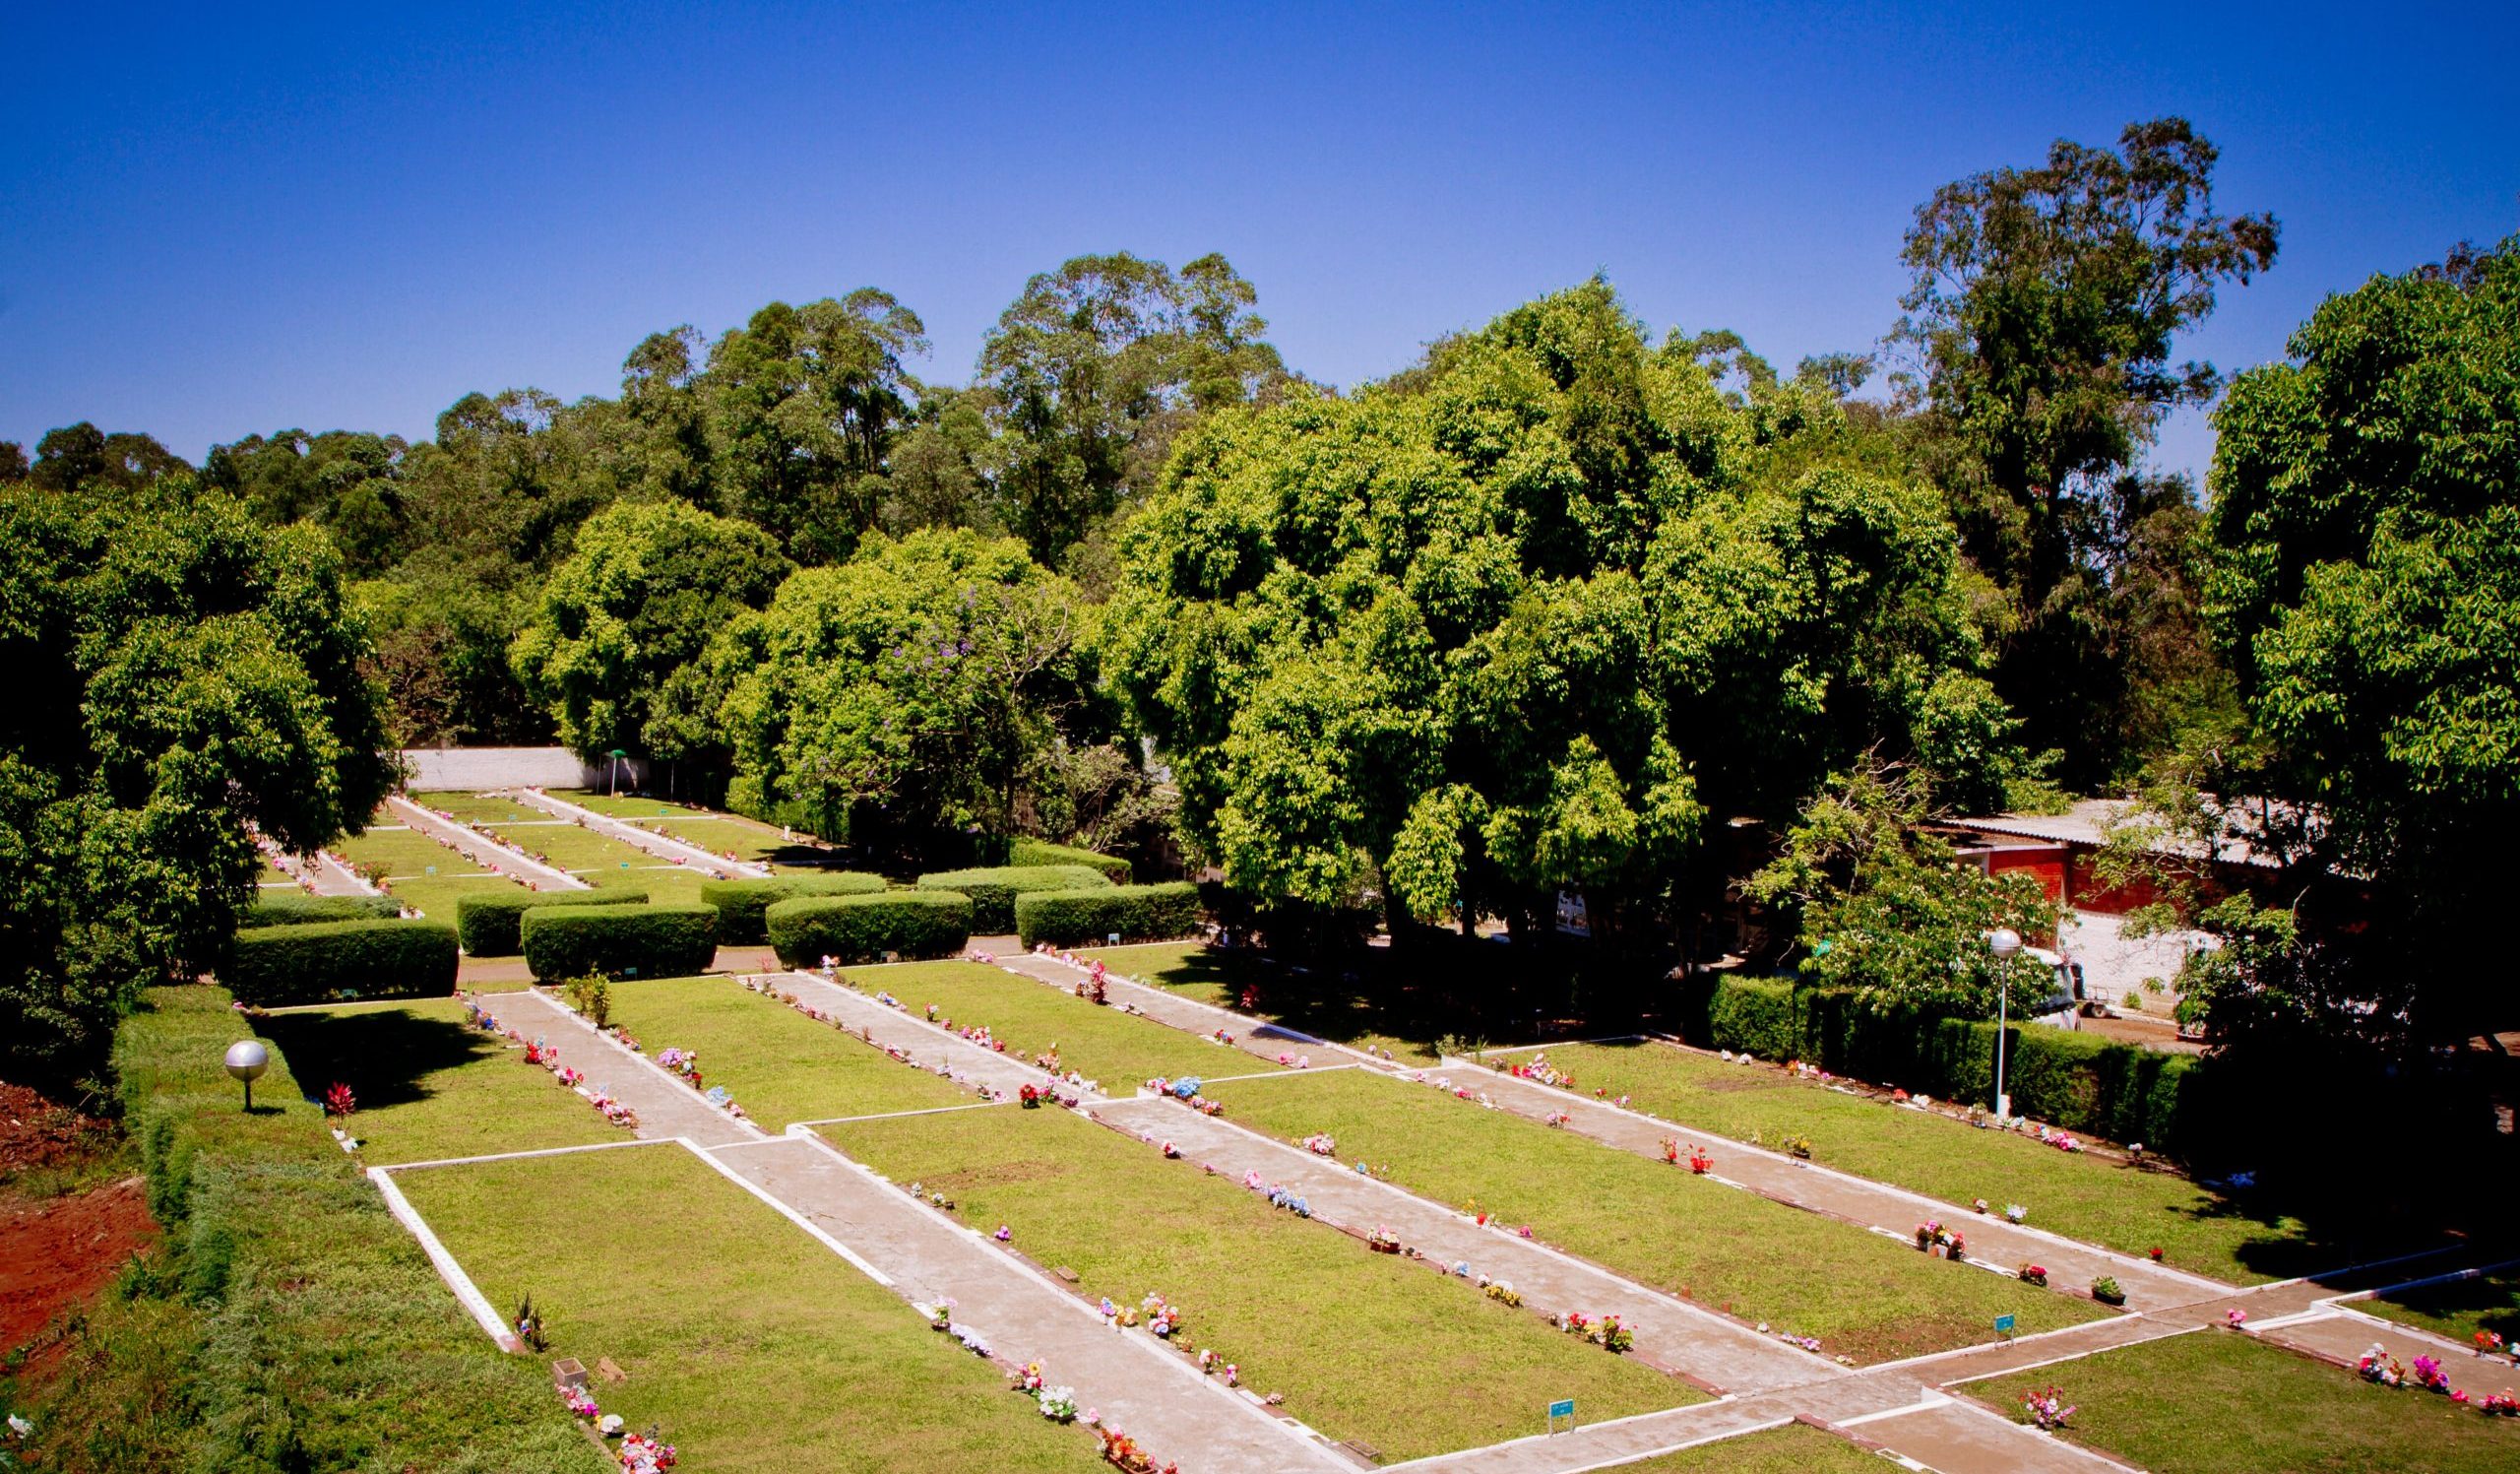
(713, 830)
(480, 808)
(1324, 1006)
(751, 1346)
(1363, 1345)
(428, 1087)
(1797, 1449)
(778, 1064)
(2094, 1199)
(1864, 1296)
(2216, 1403)
(407, 856)
(2459, 1309)
(601, 860)
(1115, 1048)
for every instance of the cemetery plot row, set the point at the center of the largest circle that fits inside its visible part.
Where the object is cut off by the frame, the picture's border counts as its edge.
(1103, 1043)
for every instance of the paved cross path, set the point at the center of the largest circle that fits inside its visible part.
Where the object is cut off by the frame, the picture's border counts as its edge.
(663, 846)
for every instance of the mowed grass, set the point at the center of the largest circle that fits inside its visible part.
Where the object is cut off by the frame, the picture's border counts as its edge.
(1363, 1345)
(1864, 1296)
(428, 1087)
(1795, 1449)
(718, 832)
(406, 856)
(480, 808)
(1314, 1003)
(600, 860)
(2087, 1197)
(2215, 1403)
(751, 1346)
(1115, 1048)
(779, 1065)
(2458, 1309)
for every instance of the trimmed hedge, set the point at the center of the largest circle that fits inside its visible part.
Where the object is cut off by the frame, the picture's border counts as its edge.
(1139, 913)
(303, 910)
(2118, 1091)
(862, 928)
(647, 942)
(488, 924)
(740, 903)
(993, 890)
(1028, 852)
(323, 961)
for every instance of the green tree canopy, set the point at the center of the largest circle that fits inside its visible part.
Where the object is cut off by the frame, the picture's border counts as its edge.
(905, 695)
(2366, 586)
(180, 673)
(1523, 619)
(618, 630)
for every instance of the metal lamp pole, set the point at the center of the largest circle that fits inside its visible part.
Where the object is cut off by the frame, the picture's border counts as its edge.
(2005, 943)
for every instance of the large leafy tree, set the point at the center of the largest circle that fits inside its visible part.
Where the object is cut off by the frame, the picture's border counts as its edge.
(1096, 368)
(181, 673)
(612, 649)
(2044, 311)
(345, 481)
(906, 696)
(2366, 585)
(1521, 620)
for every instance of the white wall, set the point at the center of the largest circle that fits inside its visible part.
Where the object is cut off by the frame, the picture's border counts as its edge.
(435, 768)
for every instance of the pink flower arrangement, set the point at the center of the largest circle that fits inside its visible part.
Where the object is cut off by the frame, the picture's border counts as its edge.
(2048, 1408)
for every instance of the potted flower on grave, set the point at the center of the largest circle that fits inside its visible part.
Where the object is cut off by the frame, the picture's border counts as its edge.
(1031, 1098)
(2034, 1274)
(1799, 1145)
(2048, 1408)
(1700, 1164)
(1957, 1247)
(2105, 1290)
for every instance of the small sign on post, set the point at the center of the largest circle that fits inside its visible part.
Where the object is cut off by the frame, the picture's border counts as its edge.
(2003, 1325)
(1112, 938)
(1564, 1407)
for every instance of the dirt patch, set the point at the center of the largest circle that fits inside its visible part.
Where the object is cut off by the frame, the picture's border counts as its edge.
(56, 1253)
(35, 1132)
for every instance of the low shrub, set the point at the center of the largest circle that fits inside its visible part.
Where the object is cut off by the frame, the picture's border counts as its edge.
(632, 941)
(1030, 851)
(322, 961)
(740, 903)
(862, 928)
(301, 910)
(993, 890)
(1138, 913)
(490, 923)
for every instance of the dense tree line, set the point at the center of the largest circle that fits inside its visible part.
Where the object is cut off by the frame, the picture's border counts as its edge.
(1541, 614)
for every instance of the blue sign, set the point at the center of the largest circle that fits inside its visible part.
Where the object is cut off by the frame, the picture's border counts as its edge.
(2003, 1325)
(1562, 1409)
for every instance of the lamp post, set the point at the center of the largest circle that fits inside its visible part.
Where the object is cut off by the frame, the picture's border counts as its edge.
(246, 1061)
(617, 755)
(2005, 943)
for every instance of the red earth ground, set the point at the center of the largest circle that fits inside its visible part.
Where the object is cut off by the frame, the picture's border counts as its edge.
(57, 1251)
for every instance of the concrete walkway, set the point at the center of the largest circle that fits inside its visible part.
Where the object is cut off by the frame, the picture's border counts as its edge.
(663, 846)
(482, 849)
(924, 1041)
(668, 1108)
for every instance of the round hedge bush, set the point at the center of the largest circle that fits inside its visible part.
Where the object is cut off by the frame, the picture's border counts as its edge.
(619, 941)
(1138, 913)
(488, 924)
(862, 928)
(740, 903)
(993, 889)
(323, 961)
(301, 910)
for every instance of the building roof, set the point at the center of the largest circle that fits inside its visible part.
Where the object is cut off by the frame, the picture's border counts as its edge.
(2088, 822)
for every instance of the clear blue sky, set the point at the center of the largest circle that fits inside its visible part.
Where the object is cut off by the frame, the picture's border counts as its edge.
(327, 219)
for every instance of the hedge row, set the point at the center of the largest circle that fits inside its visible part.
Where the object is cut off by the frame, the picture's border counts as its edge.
(1137, 913)
(993, 890)
(323, 961)
(2118, 1091)
(637, 942)
(740, 903)
(862, 928)
(488, 923)
(1030, 851)
(302, 910)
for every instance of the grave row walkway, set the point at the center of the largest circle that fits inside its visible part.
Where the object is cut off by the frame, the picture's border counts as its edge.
(479, 848)
(663, 846)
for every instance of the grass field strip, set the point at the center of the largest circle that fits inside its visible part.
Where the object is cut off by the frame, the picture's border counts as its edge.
(646, 840)
(435, 826)
(1249, 1025)
(539, 1152)
(1934, 1205)
(467, 1294)
(1295, 1427)
(617, 1047)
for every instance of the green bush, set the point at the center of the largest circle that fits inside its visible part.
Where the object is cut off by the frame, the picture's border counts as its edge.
(488, 923)
(740, 903)
(993, 890)
(1029, 851)
(302, 910)
(323, 961)
(641, 941)
(2117, 1091)
(1138, 913)
(862, 928)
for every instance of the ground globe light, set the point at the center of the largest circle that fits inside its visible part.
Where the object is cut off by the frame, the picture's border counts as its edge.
(2005, 943)
(247, 1059)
